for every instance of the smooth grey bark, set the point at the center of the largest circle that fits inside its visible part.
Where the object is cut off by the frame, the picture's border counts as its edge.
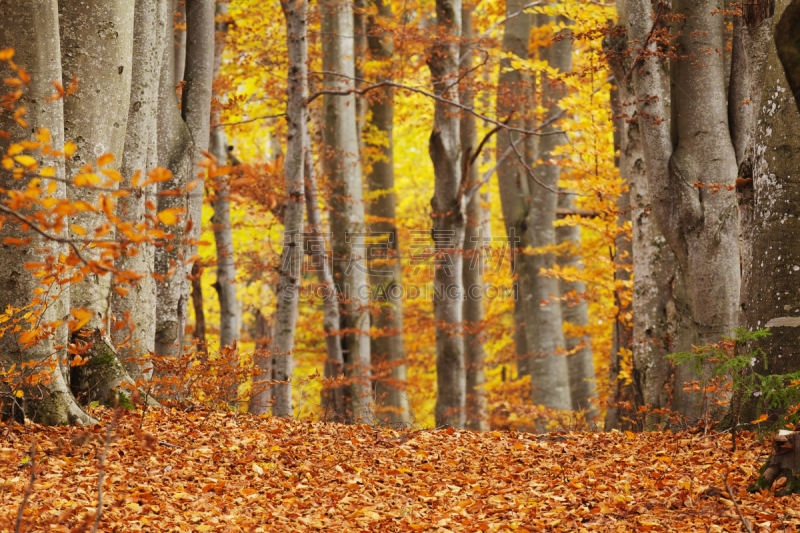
(135, 339)
(575, 310)
(700, 226)
(622, 334)
(360, 47)
(263, 334)
(448, 216)
(333, 398)
(477, 236)
(385, 268)
(654, 279)
(341, 162)
(543, 319)
(178, 22)
(183, 133)
(770, 223)
(175, 147)
(221, 221)
(96, 48)
(30, 27)
(290, 270)
(512, 90)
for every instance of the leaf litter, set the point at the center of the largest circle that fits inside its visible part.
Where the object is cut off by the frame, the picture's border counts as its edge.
(228, 472)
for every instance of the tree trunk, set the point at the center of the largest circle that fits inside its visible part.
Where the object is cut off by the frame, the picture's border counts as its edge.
(653, 306)
(477, 235)
(448, 216)
(333, 399)
(770, 227)
(580, 364)
(177, 21)
(290, 270)
(700, 226)
(342, 165)
(201, 343)
(264, 334)
(96, 48)
(31, 29)
(543, 320)
(512, 92)
(221, 221)
(135, 339)
(183, 134)
(385, 268)
(175, 148)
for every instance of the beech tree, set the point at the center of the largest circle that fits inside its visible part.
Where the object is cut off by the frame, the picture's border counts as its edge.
(699, 223)
(341, 162)
(385, 268)
(31, 28)
(448, 219)
(221, 221)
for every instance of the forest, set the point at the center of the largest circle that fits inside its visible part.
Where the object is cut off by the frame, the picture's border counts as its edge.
(430, 265)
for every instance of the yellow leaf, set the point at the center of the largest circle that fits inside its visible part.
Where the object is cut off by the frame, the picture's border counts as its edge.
(47, 172)
(43, 135)
(760, 419)
(25, 160)
(78, 230)
(19, 394)
(169, 217)
(112, 174)
(105, 159)
(51, 187)
(630, 435)
(70, 148)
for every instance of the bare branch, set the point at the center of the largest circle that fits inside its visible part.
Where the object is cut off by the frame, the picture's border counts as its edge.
(396, 85)
(247, 121)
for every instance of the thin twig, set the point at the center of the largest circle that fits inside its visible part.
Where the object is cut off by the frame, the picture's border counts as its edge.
(101, 471)
(248, 120)
(29, 490)
(387, 83)
(736, 505)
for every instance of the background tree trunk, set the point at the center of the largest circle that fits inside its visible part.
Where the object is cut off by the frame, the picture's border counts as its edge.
(448, 216)
(31, 29)
(221, 221)
(385, 268)
(512, 89)
(138, 307)
(264, 333)
(290, 270)
(183, 134)
(543, 319)
(580, 364)
(477, 235)
(333, 399)
(342, 165)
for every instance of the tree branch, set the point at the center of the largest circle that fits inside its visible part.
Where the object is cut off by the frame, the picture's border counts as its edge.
(387, 83)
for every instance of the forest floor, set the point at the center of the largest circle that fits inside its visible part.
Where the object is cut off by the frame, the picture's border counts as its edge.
(217, 471)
